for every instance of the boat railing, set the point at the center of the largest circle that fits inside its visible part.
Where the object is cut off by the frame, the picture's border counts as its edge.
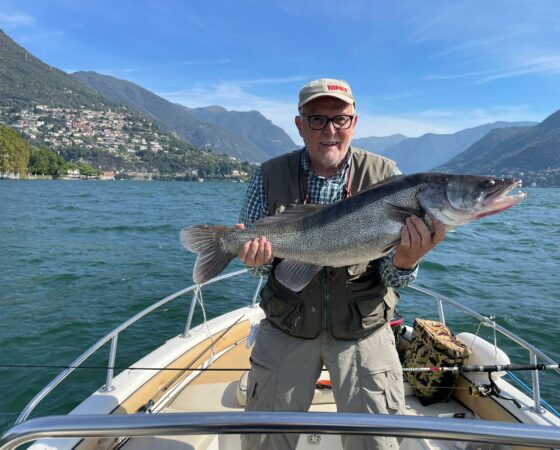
(196, 289)
(534, 353)
(113, 336)
(143, 425)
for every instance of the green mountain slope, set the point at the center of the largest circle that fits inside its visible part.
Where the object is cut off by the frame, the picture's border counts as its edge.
(26, 80)
(55, 110)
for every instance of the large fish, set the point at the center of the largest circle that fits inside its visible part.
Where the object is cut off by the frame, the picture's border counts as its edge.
(357, 229)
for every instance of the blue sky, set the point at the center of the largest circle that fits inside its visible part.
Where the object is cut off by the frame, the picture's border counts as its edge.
(414, 66)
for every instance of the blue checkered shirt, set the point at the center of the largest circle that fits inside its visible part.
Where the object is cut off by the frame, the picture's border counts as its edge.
(323, 191)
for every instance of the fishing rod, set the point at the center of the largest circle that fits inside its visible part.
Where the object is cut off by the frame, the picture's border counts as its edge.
(485, 368)
(460, 369)
(61, 366)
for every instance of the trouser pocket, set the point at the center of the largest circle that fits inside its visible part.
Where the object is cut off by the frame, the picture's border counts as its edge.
(260, 388)
(384, 392)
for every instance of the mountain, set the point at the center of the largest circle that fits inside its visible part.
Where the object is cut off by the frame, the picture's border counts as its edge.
(378, 144)
(532, 153)
(429, 150)
(251, 125)
(52, 109)
(26, 80)
(243, 135)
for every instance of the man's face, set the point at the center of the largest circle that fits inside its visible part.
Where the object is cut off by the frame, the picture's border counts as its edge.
(327, 148)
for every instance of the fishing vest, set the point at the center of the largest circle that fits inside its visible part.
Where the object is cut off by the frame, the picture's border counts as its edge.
(348, 302)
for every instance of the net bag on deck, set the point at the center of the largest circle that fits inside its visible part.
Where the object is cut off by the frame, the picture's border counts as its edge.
(433, 345)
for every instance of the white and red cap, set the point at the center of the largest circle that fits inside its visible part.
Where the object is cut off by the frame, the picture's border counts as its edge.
(326, 87)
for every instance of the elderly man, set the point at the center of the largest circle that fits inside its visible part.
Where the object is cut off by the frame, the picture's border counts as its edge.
(341, 318)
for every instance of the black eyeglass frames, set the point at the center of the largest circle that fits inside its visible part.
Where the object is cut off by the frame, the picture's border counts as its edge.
(318, 122)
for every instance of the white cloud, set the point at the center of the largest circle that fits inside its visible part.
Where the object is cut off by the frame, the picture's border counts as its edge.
(549, 63)
(15, 20)
(386, 125)
(441, 121)
(545, 63)
(232, 96)
(483, 41)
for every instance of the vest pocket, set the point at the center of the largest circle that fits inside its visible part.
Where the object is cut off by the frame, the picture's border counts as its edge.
(371, 311)
(376, 307)
(286, 313)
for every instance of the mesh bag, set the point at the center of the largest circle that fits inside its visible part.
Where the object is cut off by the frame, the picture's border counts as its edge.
(433, 345)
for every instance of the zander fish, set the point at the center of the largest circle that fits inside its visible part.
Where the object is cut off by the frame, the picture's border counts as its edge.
(355, 230)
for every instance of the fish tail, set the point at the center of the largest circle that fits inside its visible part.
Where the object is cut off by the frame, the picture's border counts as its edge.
(208, 242)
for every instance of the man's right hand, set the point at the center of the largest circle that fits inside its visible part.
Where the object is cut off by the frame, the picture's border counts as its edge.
(256, 252)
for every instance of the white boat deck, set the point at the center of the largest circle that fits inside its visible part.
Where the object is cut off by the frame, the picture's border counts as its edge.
(218, 391)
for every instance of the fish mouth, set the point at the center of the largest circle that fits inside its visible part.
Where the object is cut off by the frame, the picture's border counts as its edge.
(498, 199)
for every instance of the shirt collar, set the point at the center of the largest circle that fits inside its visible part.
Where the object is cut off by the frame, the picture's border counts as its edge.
(341, 172)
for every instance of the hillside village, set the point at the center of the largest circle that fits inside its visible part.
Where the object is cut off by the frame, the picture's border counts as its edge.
(114, 131)
(126, 136)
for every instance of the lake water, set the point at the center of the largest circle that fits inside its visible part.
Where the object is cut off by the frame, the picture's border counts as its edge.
(78, 258)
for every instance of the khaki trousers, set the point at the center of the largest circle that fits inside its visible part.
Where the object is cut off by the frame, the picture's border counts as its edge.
(366, 377)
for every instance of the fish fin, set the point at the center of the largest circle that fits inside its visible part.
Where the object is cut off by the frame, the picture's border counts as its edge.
(289, 214)
(403, 212)
(207, 242)
(392, 246)
(295, 275)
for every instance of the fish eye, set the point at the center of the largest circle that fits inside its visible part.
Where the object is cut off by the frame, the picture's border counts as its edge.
(488, 183)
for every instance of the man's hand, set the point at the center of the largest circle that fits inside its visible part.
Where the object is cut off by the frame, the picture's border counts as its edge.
(416, 241)
(256, 252)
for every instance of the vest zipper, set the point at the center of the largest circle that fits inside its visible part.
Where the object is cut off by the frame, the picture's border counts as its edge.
(325, 299)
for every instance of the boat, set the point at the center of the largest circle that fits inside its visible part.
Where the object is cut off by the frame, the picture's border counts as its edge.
(190, 392)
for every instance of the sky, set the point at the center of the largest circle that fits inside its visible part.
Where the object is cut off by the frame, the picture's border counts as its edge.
(415, 67)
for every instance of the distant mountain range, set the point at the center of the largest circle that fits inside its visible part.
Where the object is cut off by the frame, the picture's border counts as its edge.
(529, 152)
(378, 144)
(244, 135)
(251, 125)
(430, 150)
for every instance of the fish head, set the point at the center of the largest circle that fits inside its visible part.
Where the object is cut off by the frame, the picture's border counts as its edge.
(459, 199)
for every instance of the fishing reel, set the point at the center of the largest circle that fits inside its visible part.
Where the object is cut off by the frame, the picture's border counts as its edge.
(490, 390)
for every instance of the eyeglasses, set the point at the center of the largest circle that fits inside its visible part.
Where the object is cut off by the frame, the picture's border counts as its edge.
(317, 122)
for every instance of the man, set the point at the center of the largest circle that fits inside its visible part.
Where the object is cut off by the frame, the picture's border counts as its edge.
(340, 319)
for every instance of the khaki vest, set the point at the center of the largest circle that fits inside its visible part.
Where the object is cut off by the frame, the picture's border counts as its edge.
(348, 302)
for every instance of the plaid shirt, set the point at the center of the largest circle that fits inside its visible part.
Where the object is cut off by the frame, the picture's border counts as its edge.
(322, 191)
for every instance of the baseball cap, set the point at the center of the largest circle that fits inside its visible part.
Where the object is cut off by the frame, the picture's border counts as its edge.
(326, 87)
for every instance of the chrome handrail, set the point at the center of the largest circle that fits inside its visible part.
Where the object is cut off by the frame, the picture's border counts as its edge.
(109, 336)
(488, 322)
(136, 425)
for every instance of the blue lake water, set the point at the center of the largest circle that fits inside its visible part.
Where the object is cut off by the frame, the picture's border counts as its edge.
(79, 258)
